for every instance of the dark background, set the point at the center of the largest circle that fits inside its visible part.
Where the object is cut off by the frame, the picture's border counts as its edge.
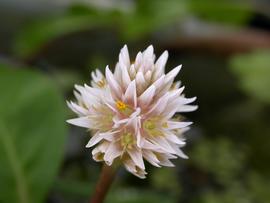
(47, 46)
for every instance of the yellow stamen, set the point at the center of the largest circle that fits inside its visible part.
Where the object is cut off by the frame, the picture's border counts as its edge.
(101, 83)
(121, 105)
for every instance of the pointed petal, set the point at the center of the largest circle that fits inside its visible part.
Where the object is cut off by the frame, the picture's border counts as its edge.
(173, 138)
(77, 109)
(82, 122)
(147, 96)
(111, 153)
(187, 108)
(100, 136)
(151, 157)
(130, 166)
(130, 94)
(164, 160)
(172, 74)
(136, 156)
(179, 152)
(163, 144)
(148, 53)
(124, 56)
(114, 86)
(160, 65)
(177, 124)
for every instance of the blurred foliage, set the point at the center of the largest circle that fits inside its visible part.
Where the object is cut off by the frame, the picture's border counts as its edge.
(253, 72)
(146, 17)
(32, 135)
(229, 160)
(220, 158)
(225, 11)
(142, 196)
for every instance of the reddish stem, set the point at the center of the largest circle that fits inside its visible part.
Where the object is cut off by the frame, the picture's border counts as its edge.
(103, 184)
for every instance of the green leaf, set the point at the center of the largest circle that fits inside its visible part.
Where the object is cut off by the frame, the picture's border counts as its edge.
(32, 135)
(225, 11)
(40, 33)
(129, 195)
(254, 73)
(148, 16)
(152, 15)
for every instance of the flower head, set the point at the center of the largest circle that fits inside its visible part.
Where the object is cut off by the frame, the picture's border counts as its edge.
(131, 112)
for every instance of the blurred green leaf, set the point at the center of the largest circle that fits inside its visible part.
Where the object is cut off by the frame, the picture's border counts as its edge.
(32, 135)
(253, 71)
(40, 33)
(165, 179)
(128, 195)
(220, 157)
(152, 15)
(148, 16)
(223, 11)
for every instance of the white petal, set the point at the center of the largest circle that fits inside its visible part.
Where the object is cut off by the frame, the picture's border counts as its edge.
(101, 148)
(148, 145)
(163, 144)
(77, 109)
(124, 56)
(159, 106)
(130, 166)
(160, 65)
(118, 74)
(114, 86)
(138, 61)
(148, 76)
(100, 136)
(147, 96)
(187, 108)
(125, 75)
(151, 158)
(130, 94)
(111, 153)
(172, 74)
(82, 122)
(179, 152)
(136, 156)
(177, 124)
(164, 160)
(173, 138)
(159, 83)
(140, 82)
(148, 53)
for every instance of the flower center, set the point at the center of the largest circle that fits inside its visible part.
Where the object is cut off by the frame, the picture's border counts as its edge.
(121, 105)
(149, 125)
(127, 140)
(123, 108)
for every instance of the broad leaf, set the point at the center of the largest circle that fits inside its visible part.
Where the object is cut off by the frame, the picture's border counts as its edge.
(32, 135)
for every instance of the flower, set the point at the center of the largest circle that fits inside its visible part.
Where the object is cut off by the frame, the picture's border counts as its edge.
(131, 112)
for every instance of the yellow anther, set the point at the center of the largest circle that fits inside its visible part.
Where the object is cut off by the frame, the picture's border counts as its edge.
(121, 105)
(127, 140)
(101, 83)
(149, 125)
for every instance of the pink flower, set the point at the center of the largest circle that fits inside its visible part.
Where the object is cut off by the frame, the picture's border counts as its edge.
(131, 112)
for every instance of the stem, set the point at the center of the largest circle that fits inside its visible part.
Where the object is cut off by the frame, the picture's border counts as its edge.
(103, 185)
